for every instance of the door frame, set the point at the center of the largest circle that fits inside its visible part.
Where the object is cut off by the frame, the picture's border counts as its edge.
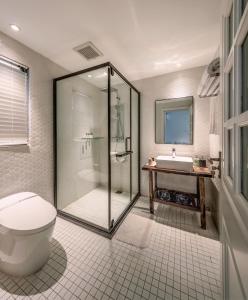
(234, 206)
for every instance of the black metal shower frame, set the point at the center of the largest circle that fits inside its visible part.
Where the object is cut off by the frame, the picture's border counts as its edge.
(112, 227)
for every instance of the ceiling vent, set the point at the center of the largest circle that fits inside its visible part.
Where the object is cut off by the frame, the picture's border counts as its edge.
(88, 51)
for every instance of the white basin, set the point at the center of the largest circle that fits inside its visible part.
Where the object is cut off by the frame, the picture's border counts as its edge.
(183, 163)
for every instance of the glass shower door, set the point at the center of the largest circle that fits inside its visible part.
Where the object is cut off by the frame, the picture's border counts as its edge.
(135, 142)
(97, 146)
(120, 155)
(82, 147)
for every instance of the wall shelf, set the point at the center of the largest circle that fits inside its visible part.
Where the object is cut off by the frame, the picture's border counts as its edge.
(87, 138)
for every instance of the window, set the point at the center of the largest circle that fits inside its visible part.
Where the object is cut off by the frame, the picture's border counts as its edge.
(230, 153)
(244, 100)
(236, 104)
(230, 95)
(244, 161)
(177, 126)
(13, 103)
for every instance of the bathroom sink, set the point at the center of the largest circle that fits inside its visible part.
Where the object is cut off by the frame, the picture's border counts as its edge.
(183, 163)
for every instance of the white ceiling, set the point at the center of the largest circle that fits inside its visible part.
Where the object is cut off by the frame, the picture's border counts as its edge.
(142, 38)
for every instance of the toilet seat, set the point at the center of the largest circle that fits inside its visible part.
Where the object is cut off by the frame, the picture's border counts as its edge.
(26, 213)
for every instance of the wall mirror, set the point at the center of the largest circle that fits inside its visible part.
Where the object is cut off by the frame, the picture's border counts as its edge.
(174, 121)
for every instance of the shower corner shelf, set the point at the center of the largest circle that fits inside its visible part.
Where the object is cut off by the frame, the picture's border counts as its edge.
(80, 139)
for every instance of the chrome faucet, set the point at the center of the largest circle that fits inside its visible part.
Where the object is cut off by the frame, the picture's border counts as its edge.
(173, 152)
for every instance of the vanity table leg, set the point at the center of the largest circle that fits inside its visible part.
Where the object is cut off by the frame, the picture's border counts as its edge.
(202, 202)
(198, 190)
(155, 180)
(151, 192)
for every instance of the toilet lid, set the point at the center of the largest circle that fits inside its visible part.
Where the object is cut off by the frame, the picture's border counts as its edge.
(27, 215)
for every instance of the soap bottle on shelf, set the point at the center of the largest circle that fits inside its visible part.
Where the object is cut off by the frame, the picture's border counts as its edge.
(202, 162)
(196, 161)
(151, 161)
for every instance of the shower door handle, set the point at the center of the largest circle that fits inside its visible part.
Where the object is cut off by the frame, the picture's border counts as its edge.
(122, 154)
(126, 144)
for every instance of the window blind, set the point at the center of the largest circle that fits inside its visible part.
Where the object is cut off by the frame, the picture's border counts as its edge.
(13, 103)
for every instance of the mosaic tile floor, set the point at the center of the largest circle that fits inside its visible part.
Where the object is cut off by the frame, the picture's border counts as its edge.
(180, 262)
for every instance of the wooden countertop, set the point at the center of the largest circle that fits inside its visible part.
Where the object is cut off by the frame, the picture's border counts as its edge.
(197, 171)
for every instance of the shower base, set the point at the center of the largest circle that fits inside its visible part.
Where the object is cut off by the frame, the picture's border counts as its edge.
(93, 207)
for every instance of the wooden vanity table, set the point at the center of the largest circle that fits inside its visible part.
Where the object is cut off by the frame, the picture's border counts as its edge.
(199, 173)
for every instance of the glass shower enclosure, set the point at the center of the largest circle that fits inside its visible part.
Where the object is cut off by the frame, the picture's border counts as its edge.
(97, 146)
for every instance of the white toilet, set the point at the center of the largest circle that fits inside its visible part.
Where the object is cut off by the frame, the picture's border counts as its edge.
(26, 226)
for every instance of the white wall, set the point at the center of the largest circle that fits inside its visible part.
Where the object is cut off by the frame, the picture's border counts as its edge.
(31, 168)
(172, 85)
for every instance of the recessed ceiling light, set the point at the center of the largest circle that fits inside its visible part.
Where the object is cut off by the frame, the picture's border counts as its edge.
(105, 73)
(89, 75)
(179, 65)
(14, 27)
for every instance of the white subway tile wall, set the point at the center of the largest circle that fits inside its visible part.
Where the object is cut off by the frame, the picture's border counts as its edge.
(30, 168)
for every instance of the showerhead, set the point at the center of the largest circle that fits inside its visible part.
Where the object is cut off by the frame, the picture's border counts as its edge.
(113, 90)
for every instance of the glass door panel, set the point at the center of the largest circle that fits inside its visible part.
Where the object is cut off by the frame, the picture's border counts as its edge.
(82, 147)
(120, 145)
(244, 161)
(135, 142)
